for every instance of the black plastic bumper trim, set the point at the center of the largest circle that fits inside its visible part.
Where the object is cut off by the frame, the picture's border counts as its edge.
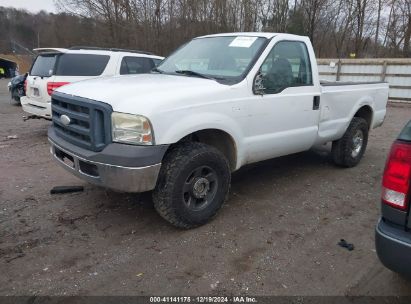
(393, 246)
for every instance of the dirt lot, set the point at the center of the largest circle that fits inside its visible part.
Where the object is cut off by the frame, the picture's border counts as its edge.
(277, 234)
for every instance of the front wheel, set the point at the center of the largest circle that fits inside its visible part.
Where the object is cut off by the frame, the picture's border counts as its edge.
(348, 151)
(193, 183)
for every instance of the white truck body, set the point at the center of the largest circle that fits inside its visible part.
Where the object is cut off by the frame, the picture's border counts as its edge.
(262, 126)
(157, 128)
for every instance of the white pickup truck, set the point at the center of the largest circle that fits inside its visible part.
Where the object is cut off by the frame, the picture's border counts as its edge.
(216, 104)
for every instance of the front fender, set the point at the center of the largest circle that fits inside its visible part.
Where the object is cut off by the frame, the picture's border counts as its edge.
(173, 131)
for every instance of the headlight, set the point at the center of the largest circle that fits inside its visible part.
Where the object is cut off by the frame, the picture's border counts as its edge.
(131, 129)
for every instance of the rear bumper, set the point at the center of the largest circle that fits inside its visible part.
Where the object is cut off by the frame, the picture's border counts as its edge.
(41, 109)
(123, 168)
(393, 247)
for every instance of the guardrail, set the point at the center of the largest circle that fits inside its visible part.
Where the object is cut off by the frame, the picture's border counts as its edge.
(397, 72)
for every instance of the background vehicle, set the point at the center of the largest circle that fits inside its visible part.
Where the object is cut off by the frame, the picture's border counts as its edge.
(16, 87)
(393, 234)
(57, 67)
(215, 105)
(2, 73)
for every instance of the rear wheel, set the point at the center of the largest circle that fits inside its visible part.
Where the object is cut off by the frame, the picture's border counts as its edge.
(348, 151)
(193, 183)
(16, 93)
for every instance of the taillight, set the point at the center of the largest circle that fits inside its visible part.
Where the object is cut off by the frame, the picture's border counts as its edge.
(51, 86)
(25, 86)
(397, 174)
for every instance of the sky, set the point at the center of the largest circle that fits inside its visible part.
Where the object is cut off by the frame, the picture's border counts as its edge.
(30, 5)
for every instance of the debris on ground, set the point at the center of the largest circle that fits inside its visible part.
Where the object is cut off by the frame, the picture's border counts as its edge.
(215, 285)
(343, 243)
(66, 189)
(20, 255)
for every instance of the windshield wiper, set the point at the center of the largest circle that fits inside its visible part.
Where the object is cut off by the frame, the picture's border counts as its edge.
(196, 74)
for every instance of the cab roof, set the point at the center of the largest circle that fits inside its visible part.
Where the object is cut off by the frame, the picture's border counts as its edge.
(250, 34)
(97, 51)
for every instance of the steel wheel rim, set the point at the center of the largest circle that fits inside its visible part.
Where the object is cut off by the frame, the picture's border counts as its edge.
(358, 141)
(200, 188)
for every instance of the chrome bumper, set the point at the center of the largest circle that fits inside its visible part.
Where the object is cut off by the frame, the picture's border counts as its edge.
(119, 178)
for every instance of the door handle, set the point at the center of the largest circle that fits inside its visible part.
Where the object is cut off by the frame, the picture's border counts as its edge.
(316, 103)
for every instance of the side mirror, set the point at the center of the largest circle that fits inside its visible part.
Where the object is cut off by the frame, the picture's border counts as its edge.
(258, 86)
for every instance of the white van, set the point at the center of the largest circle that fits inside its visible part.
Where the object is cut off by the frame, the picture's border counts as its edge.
(55, 67)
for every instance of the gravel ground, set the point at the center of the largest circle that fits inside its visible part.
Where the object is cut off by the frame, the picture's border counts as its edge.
(276, 235)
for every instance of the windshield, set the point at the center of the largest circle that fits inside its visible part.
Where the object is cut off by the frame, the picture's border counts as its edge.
(221, 58)
(44, 65)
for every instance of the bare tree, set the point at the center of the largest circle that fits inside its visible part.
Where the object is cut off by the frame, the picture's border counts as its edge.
(274, 15)
(336, 27)
(406, 11)
(377, 30)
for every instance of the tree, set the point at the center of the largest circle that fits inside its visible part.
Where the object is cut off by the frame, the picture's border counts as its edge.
(336, 27)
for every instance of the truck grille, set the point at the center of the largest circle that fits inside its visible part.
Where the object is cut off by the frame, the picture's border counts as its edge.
(90, 122)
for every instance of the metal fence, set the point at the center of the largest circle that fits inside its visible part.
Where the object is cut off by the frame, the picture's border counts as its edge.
(397, 72)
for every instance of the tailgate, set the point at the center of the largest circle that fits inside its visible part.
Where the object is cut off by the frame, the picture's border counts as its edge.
(37, 88)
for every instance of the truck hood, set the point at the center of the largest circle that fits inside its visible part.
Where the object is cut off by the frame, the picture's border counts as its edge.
(144, 93)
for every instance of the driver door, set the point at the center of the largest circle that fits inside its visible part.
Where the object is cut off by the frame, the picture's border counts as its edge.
(285, 103)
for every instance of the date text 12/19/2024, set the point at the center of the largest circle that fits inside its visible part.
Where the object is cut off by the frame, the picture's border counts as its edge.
(202, 299)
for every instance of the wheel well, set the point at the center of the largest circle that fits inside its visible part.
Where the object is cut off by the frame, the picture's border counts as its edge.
(218, 139)
(366, 113)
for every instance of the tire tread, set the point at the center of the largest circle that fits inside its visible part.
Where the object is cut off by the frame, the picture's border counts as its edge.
(341, 149)
(173, 163)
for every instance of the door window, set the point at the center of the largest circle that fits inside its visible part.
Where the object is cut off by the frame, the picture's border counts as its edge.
(81, 65)
(287, 65)
(136, 65)
(157, 61)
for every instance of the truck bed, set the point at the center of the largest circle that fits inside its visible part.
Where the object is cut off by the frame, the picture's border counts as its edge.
(340, 101)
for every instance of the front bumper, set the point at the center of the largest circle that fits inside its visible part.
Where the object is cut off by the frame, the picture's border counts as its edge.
(119, 167)
(41, 109)
(393, 247)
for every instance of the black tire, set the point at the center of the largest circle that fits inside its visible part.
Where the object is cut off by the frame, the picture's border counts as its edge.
(186, 168)
(14, 96)
(348, 151)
